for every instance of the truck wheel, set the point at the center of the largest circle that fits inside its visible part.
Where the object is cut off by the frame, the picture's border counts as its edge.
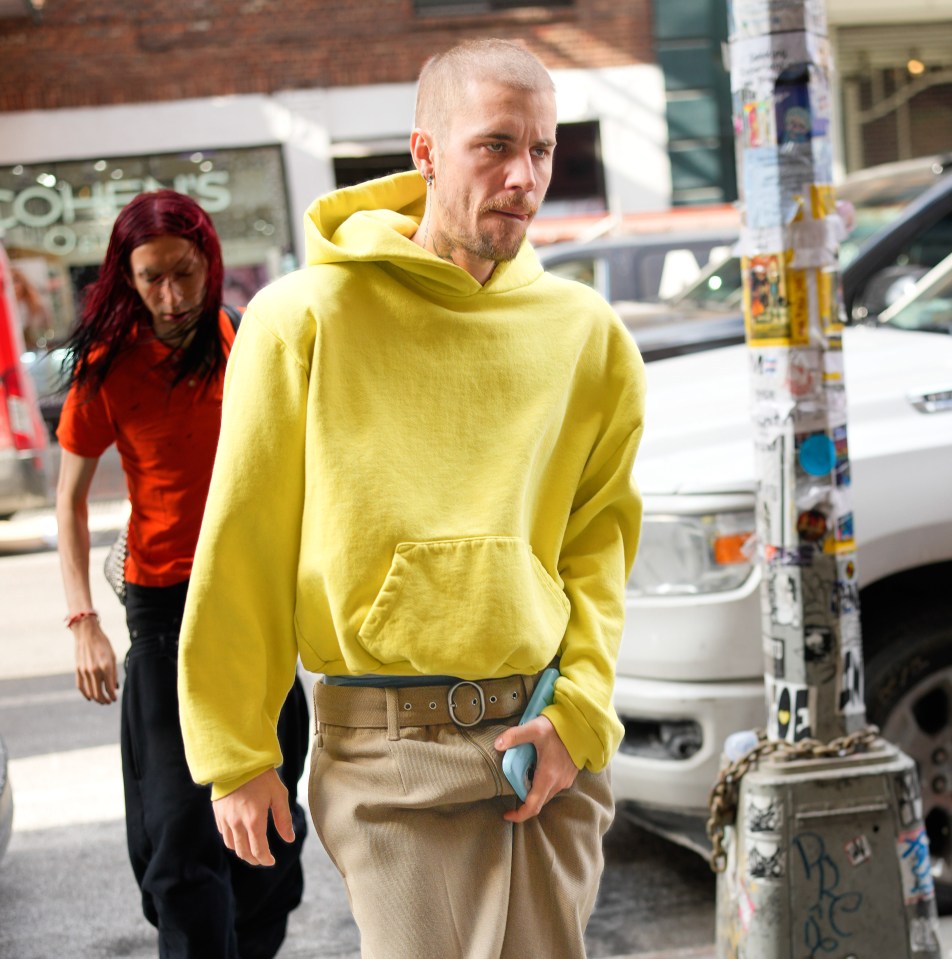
(909, 696)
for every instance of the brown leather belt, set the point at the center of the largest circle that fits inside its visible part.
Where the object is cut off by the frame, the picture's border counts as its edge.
(465, 703)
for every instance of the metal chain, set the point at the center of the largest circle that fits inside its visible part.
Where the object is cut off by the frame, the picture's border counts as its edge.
(726, 791)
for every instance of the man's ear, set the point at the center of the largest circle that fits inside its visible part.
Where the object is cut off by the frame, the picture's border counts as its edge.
(423, 152)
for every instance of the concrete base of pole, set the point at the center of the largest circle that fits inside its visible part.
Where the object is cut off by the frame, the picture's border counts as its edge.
(829, 857)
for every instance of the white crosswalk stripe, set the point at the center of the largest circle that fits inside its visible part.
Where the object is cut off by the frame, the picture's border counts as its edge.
(67, 788)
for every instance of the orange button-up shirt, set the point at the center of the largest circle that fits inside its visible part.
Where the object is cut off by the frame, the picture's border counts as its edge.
(166, 438)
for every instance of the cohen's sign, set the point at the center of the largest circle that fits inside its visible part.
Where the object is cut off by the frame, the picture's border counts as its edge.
(60, 219)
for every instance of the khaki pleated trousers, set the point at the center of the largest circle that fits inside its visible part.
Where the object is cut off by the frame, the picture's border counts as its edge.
(412, 818)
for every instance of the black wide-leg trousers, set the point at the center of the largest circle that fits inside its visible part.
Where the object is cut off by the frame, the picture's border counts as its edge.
(205, 902)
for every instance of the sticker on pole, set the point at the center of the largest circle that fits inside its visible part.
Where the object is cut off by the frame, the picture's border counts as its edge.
(775, 301)
(817, 454)
(912, 847)
(791, 708)
(858, 851)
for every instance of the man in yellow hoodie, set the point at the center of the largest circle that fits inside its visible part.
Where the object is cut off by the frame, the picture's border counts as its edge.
(423, 489)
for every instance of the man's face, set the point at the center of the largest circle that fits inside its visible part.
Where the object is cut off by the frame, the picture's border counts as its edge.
(492, 168)
(169, 274)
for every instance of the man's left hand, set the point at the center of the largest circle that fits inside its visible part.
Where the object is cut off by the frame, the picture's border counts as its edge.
(554, 769)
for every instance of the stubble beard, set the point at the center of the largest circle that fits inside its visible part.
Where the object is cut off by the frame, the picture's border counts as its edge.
(482, 243)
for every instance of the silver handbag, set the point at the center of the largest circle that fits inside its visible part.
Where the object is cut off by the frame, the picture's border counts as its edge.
(115, 565)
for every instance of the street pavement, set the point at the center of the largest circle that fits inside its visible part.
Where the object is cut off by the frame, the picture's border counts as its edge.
(88, 784)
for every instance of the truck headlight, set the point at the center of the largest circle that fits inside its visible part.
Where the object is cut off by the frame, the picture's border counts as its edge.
(687, 555)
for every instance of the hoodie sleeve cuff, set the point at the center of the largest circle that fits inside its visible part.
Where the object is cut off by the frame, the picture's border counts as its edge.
(584, 743)
(222, 789)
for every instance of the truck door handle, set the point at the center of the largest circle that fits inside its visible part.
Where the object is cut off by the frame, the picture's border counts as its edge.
(932, 401)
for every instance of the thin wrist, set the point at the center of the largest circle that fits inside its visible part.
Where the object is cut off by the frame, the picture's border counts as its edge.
(73, 618)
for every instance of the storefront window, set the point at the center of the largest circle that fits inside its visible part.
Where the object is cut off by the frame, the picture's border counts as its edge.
(55, 221)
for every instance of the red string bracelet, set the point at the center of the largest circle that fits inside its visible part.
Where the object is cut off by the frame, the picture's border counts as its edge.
(76, 617)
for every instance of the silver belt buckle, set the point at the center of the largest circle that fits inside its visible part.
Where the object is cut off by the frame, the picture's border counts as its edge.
(481, 700)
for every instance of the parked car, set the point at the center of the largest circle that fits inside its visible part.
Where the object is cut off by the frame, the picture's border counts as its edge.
(708, 312)
(23, 439)
(691, 662)
(6, 802)
(638, 266)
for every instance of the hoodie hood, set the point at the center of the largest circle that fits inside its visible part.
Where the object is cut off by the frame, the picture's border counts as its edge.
(374, 221)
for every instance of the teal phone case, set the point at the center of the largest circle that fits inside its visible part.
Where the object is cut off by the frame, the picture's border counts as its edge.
(518, 763)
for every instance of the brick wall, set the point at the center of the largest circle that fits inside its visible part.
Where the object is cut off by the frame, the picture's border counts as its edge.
(93, 52)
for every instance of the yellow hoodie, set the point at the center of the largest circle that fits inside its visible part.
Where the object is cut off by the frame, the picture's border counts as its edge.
(417, 474)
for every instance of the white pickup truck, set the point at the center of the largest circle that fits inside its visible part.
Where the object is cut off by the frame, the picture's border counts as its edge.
(691, 665)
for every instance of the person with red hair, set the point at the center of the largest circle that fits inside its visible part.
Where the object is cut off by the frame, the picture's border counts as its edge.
(149, 354)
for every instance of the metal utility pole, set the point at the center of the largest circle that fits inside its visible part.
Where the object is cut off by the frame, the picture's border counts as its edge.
(817, 831)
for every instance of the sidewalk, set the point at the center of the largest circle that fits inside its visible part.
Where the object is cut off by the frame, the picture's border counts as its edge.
(35, 529)
(698, 952)
(710, 952)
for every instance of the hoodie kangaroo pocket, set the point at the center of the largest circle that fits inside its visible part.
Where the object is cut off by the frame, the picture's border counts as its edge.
(471, 607)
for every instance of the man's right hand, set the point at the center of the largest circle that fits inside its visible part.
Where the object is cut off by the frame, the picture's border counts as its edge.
(242, 817)
(96, 676)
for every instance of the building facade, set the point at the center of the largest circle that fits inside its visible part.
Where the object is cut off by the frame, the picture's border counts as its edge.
(257, 107)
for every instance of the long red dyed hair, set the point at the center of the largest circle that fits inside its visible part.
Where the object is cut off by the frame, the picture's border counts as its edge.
(112, 309)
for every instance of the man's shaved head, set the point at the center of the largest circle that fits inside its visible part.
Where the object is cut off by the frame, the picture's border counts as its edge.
(483, 142)
(445, 76)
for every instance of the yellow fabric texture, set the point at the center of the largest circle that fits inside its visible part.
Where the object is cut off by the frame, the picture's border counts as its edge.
(417, 474)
